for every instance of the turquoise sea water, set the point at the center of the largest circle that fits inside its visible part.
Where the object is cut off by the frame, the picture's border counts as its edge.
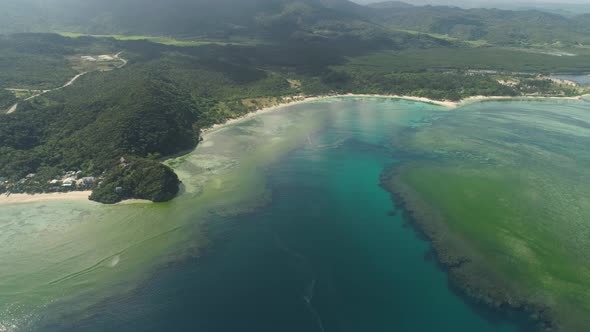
(327, 251)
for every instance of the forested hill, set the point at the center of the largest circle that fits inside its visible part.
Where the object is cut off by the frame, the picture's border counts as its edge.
(213, 18)
(287, 19)
(506, 27)
(89, 126)
(211, 60)
(154, 106)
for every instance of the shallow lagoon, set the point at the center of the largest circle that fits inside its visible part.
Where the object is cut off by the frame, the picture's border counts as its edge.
(503, 188)
(282, 225)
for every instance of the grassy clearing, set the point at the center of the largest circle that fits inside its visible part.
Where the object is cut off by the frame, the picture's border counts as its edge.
(475, 43)
(158, 40)
(21, 94)
(162, 40)
(80, 65)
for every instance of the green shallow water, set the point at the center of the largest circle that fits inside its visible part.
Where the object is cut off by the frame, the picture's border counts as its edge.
(282, 225)
(504, 186)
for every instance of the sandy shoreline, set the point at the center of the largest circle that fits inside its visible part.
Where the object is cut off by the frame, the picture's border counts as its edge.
(302, 99)
(32, 198)
(291, 101)
(69, 196)
(455, 104)
(517, 98)
(446, 103)
(83, 195)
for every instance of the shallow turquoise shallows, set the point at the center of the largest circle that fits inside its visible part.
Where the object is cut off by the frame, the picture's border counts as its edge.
(283, 226)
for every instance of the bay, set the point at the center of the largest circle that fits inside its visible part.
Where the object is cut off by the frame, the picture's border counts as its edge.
(282, 226)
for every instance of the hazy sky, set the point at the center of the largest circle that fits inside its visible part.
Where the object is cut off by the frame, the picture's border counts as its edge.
(477, 3)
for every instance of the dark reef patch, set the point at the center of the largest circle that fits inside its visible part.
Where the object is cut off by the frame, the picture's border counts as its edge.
(485, 296)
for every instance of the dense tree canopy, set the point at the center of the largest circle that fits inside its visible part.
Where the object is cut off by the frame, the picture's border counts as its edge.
(290, 19)
(263, 50)
(137, 178)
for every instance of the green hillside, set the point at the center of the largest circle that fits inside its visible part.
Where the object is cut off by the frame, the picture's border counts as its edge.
(505, 27)
(194, 63)
(291, 19)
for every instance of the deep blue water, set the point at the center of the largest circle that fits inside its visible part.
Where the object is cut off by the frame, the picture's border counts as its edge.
(329, 253)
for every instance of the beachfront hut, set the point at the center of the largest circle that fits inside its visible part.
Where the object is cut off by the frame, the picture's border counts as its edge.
(68, 182)
(88, 180)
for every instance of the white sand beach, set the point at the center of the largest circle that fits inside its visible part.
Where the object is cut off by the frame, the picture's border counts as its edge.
(446, 103)
(30, 198)
(83, 195)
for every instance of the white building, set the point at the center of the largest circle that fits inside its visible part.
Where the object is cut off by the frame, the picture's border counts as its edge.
(68, 182)
(105, 57)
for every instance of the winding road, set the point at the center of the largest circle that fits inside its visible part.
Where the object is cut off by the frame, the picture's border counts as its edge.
(70, 82)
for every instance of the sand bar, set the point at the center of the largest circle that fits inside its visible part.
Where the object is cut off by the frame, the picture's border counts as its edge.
(30, 198)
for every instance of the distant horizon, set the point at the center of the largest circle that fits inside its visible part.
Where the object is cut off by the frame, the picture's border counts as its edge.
(482, 3)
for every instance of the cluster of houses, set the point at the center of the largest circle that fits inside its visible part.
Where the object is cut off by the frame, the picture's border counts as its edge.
(73, 179)
(67, 181)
